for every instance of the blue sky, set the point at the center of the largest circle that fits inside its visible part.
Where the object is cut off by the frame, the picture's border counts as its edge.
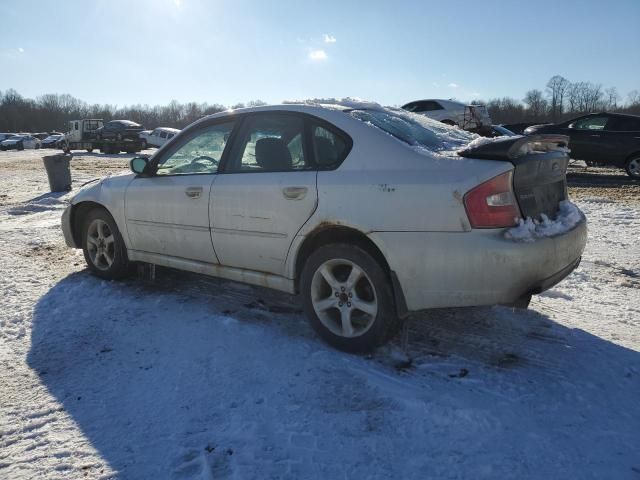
(151, 51)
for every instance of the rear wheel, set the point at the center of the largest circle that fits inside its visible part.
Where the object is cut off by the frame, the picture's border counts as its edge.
(103, 247)
(348, 299)
(633, 167)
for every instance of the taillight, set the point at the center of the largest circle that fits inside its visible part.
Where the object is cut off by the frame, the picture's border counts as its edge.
(492, 204)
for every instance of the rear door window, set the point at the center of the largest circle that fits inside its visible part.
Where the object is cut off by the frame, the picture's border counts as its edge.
(590, 123)
(270, 143)
(622, 124)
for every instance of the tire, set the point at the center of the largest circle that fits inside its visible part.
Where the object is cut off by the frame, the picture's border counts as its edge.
(105, 258)
(633, 167)
(332, 304)
(105, 148)
(89, 150)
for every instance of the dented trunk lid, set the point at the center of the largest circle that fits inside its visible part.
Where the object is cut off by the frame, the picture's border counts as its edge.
(540, 167)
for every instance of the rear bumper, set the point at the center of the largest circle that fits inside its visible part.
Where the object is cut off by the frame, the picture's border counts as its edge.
(481, 267)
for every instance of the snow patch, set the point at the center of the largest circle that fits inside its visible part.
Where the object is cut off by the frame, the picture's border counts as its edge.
(529, 230)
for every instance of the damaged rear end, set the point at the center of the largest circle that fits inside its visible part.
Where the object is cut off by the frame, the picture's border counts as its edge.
(536, 186)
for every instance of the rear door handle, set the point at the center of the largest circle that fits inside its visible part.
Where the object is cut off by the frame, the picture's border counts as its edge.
(294, 193)
(193, 192)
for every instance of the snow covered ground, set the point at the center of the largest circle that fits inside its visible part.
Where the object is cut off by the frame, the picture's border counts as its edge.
(190, 377)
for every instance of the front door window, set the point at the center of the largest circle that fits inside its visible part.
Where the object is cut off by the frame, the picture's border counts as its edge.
(200, 154)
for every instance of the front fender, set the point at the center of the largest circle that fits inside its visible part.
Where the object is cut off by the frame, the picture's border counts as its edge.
(108, 193)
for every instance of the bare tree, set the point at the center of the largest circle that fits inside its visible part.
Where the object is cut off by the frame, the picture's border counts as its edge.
(634, 97)
(557, 87)
(612, 98)
(537, 104)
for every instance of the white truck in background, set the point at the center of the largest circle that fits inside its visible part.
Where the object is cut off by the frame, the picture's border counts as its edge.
(82, 136)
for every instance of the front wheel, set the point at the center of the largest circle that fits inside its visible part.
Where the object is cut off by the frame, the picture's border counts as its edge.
(103, 247)
(633, 167)
(348, 299)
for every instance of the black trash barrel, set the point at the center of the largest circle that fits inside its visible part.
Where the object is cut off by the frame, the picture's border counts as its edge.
(59, 172)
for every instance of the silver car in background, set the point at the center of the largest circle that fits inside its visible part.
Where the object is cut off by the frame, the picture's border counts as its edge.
(369, 213)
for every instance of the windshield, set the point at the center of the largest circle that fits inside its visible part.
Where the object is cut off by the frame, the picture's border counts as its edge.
(415, 130)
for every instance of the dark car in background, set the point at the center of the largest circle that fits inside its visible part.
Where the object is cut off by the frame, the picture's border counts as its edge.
(501, 131)
(52, 141)
(119, 130)
(601, 138)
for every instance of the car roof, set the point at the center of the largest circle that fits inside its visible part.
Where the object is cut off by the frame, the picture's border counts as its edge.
(441, 100)
(329, 112)
(612, 114)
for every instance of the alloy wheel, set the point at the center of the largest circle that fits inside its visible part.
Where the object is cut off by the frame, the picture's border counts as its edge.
(100, 244)
(344, 298)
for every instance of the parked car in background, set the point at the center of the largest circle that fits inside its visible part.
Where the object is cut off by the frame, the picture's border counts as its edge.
(500, 131)
(52, 141)
(467, 117)
(601, 138)
(20, 142)
(158, 136)
(5, 136)
(303, 198)
(119, 130)
(40, 136)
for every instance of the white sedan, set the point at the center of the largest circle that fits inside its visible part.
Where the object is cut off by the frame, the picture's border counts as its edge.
(369, 213)
(20, 142)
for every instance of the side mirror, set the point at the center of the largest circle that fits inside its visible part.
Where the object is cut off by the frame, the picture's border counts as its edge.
(138, 165)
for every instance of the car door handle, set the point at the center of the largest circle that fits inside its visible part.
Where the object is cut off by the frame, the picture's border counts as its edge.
(595, 136)
(193, 192)
(294, 193)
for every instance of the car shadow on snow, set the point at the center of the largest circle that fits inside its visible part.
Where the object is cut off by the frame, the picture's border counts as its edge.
(170, 378)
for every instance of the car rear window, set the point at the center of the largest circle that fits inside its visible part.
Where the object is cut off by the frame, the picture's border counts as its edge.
(415, 130)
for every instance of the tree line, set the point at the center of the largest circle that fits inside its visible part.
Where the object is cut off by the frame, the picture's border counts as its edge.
(560, 100)
(52, 112)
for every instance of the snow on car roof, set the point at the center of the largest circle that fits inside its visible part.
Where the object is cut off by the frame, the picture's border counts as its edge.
(445, 138)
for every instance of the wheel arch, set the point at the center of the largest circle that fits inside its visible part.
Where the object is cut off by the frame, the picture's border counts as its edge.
(631, 156)
(78, 213)
(328, 234)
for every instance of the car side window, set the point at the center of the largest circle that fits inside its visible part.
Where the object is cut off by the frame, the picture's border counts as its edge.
(199, 153)
(622, 124)
(163, 134)
(590, 123)
(329, 149)
(270, 143)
